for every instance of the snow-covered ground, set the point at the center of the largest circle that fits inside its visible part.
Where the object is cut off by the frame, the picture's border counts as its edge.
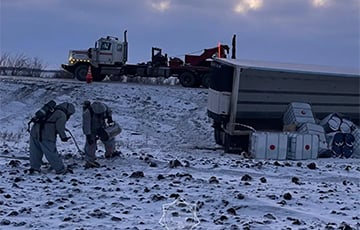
(171, 174)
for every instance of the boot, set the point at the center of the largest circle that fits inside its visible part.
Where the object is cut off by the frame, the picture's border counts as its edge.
(66, 170)
(114, 154)
(32, 171)
(91, 164)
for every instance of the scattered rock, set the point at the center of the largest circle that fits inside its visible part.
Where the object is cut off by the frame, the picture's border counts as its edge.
(348, 167)
(220, 220)
(174, 195)
(175, 163)
(231, 211)
(18, 224)
(223, 218)
(199, 205)
(246, 177)
(240, 196)
(137, 174)
(294, 220)
(5, 222)
(311, 165)
(287, 196)
(153, 164)
(175, 214)
(270, 216)
(14, 163)
(263, 180)
(186, 163)
(13, 213)
(295, 180)
(345, 226)
(115, 218)
(97, 213)
(158, 197)
(213, 180)
(160, 177)
(225, 202)
(283, 202)
(272, 196)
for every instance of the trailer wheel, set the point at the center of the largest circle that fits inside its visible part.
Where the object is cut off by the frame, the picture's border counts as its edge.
(187, 79)
(227, 143)
(205, 80)
(81, 72)
(115, 78)
(217, 135)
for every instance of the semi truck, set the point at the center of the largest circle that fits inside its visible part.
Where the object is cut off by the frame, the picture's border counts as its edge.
(109, 58)
(246, 96)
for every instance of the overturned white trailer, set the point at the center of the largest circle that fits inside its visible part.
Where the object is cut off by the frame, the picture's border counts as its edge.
(246, 95)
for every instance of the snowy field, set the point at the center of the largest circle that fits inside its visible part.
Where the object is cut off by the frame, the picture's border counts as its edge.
(171, 174)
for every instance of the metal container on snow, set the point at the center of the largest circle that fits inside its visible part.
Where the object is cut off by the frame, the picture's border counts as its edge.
(303, 146)
(310, 128)
(110, 131)
(268, 145)
(331, 123)
(298, 113)
(356, 144)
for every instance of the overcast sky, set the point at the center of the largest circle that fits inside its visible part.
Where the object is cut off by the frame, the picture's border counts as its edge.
(324, 32)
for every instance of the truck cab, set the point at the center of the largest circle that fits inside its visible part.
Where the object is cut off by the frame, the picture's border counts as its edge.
(108, 51)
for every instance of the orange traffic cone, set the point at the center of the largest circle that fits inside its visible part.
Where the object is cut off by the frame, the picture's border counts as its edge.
(89, 77)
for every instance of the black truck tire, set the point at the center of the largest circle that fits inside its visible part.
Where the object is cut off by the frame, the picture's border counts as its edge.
(115, 78)
(99, 77)
(187, 79)
(81, 72)
(205, 80)
(96, 74)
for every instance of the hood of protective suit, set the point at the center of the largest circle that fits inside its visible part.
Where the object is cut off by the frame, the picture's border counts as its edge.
(98, 107)
(67, 107)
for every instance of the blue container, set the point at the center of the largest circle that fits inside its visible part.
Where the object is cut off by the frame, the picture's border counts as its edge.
(337, 151)
(347, 151)
(349, 139)
(338, 140)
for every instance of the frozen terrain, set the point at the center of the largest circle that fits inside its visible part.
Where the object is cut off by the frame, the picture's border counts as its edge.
(171, 174)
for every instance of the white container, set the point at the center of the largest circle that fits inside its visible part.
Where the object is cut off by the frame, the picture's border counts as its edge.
(303, 146)
(356, 146)
(268, 145)
(310, 128)
(331, 123)
(298, 113)
(345, 126)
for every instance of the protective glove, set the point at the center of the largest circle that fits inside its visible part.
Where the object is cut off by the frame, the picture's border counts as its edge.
(90, 140)
(110, 120)
(65, 139)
